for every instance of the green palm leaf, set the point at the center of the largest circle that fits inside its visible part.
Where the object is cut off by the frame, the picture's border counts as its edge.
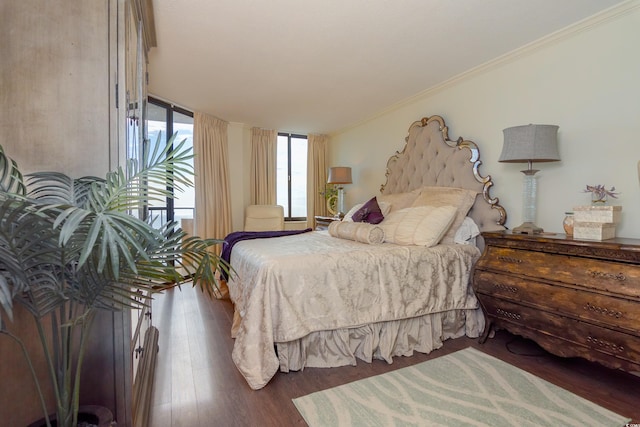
(29, 257)
(58, 188)
(11, 180)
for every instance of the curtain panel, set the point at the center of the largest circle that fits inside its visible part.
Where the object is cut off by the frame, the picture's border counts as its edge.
(264, 145)
(317, 147)
(211, 167)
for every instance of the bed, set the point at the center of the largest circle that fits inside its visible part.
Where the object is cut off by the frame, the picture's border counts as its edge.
(363, 290)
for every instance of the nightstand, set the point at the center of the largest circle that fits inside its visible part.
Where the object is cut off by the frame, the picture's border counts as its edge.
(575, 298)
(322, 222)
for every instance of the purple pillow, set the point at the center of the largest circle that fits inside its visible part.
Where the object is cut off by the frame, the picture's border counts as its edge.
(369, 212)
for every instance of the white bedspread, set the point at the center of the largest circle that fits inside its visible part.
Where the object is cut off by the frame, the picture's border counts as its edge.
(288, 287)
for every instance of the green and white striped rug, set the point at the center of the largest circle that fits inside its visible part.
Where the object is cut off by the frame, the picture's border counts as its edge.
(465, 388)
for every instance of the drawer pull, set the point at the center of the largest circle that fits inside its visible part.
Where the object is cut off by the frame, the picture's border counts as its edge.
(603, 310)
(503, 287)
(508, 314)
(510, 259)
(606, 345)
(604, 275)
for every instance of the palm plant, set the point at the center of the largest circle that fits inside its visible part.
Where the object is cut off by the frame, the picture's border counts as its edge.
(70, 247)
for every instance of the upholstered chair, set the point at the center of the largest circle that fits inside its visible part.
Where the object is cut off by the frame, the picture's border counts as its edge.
(264, 218)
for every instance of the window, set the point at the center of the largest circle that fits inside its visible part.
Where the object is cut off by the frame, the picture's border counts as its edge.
(168, 119)
(291, 178)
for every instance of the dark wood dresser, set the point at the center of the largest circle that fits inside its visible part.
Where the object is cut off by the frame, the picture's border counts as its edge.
(575, 298)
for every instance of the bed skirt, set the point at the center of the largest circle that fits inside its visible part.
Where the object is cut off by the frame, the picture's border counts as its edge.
(384, 340)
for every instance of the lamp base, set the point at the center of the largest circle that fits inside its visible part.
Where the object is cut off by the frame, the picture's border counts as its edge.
(340, 210)
(527, 228)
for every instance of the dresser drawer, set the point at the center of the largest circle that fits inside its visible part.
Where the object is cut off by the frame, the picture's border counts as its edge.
(586, 338)
(619, 313)
(591, 273)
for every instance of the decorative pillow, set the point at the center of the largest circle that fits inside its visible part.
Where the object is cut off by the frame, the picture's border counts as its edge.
(421, 225)
(399, 200)
(384, 208)
(370, 212)
(358, 231)
(461, 198)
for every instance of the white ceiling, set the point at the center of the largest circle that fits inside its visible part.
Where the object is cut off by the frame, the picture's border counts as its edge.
(318, 66)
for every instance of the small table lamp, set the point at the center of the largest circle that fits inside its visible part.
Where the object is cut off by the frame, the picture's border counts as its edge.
(340, 175)
(530, 143)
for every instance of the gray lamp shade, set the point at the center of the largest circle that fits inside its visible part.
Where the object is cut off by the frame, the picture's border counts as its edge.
(536, 143)
(339, 175)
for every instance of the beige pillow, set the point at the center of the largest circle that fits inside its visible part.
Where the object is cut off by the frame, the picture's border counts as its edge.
(461, 198)
(421, 225)
(399, 200)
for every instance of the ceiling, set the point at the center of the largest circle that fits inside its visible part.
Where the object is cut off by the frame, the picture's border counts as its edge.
(318, 66)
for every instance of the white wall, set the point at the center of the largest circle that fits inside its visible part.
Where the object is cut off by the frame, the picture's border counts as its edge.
(586, 80)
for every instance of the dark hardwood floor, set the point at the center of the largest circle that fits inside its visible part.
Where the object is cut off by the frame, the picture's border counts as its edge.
(197, 383)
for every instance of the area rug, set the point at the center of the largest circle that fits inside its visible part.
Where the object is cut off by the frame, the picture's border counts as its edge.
(465, 388)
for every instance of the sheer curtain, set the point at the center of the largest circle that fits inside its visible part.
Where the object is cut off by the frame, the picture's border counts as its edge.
(264, 145)
(317, 146)
(211, 165)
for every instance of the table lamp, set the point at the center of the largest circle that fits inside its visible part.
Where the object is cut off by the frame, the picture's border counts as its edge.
(530, 143)
(340, 175)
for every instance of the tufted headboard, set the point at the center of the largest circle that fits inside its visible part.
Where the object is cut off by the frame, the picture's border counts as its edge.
(430, 158)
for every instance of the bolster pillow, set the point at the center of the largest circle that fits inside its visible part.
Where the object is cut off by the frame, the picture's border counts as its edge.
(359, 231)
